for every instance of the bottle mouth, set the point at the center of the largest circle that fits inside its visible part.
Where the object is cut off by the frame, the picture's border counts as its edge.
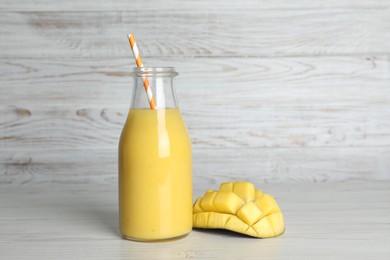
(154, 72)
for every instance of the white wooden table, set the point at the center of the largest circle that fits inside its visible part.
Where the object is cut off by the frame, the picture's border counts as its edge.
(323, 221)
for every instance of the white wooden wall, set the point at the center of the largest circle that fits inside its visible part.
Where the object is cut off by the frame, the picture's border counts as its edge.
(271, 91)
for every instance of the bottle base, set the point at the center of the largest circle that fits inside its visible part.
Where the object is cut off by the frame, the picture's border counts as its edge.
(154, 240)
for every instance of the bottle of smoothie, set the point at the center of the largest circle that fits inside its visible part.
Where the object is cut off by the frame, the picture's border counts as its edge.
(155, 165)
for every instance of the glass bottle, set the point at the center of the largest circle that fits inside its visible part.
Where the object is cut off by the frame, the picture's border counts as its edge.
(155, 164)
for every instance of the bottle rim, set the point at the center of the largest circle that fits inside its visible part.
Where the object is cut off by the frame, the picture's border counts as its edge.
(154, 72)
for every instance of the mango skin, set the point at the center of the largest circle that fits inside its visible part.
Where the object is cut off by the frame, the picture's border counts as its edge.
(239, 207)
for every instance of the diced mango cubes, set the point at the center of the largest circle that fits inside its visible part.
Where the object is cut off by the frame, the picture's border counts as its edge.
(227, 202)
(258, 194)
(250, 213)
(226, 186)
(245, 190)
(239, 207)
(197, 207)
(207, 203)
(267, 204)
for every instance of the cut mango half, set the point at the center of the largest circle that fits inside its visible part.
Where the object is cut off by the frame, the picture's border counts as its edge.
(239, 207)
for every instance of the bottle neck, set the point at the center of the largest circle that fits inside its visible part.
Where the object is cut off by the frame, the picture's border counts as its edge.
(160, 82)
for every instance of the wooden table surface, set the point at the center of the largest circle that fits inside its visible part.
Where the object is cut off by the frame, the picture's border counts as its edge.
(323, 221)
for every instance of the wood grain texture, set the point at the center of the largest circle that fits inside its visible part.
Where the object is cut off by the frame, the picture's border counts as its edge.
(61, 119)
(99, 128)
(323, 221)
(279, 91)
(236, 103)
(210, 166)
(121, 5)
(247, 29)
(255, 81)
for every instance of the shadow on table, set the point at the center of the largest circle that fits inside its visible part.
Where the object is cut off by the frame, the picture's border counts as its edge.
(106, 217)
(223, 233)
(93, 210)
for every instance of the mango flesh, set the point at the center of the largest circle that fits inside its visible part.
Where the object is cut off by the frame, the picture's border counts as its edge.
(239, 207)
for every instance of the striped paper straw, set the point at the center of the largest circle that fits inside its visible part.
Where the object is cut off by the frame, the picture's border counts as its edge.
(138, 60)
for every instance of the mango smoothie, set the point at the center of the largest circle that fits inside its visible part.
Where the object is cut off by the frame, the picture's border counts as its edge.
(155, 175)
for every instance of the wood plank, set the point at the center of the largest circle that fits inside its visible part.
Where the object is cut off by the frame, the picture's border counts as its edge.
(210, 166)
(234, 103)
(120, 5)
(209, 32)
(217, 81)
(323, 221)
(97, 128)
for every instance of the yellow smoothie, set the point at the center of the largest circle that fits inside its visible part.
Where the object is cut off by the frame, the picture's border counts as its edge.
(155, 175)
